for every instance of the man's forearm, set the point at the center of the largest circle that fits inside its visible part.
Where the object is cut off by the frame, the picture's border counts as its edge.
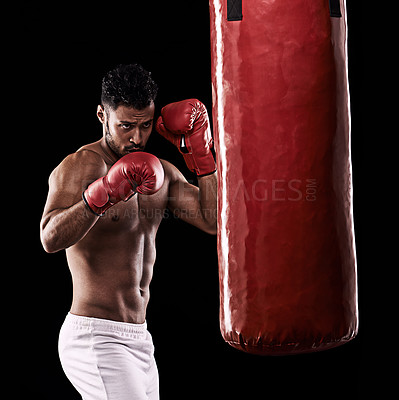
(208, 199)
(63, 228)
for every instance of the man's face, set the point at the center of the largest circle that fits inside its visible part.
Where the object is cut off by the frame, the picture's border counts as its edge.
(126, 129)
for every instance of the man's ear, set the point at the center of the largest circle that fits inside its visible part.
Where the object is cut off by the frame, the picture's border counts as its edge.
(101, 113)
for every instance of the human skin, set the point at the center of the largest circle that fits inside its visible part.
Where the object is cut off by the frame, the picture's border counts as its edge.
(111, 258)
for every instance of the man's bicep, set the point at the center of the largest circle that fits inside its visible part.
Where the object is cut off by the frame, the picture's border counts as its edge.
(68, 181)
(183, 199)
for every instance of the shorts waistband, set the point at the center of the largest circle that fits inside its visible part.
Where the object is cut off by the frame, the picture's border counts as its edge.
(135, 331)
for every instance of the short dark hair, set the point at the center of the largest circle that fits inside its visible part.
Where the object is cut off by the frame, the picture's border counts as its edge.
(130, 85)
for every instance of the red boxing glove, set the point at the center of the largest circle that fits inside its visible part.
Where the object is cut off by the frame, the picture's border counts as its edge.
(186, 125)
(134, 173)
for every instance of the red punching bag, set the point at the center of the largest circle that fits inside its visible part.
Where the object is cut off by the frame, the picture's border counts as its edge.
(287, 263)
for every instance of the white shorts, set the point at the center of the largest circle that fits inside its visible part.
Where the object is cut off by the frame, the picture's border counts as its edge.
(108, 360)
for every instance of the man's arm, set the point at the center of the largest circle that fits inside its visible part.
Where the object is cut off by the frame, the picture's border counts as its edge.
(186, 125)
(66, 219)
(192, 204)
(208, 200)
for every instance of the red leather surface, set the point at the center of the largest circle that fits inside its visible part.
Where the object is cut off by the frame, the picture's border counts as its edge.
(189, 118)
(137, 172)
(286, 250)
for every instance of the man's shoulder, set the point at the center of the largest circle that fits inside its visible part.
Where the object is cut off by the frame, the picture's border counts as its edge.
(171, 172)
(94, 147)
(83, 161)
(82, 158)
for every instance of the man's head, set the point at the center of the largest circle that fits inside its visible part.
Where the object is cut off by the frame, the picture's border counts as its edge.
(127, 108)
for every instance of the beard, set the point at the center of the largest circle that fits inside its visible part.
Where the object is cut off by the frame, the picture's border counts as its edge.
(110, 141)
(112, 145)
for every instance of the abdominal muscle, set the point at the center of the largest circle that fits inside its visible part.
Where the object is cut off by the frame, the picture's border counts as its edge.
(111, 274)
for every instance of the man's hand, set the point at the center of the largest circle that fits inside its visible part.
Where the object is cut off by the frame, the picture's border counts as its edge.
(134, 173)
(186, 125)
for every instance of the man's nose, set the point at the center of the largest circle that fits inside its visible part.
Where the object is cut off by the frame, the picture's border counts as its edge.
(136, 136)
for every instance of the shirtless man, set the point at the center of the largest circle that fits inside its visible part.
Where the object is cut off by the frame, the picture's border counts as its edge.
(104, 207)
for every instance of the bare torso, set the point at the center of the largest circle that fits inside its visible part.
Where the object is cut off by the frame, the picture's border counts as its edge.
(111, 258)
(112, 265)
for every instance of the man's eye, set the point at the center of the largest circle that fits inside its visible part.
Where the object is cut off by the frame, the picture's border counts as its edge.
(126, 126)
(147, 124)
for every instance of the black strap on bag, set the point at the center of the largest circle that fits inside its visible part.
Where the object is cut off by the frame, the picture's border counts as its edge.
(234, 10)
(335, 9)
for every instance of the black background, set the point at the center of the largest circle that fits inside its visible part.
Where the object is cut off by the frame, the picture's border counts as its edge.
(63, 51)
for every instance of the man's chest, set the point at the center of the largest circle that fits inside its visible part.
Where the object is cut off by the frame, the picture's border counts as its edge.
(138, 212)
